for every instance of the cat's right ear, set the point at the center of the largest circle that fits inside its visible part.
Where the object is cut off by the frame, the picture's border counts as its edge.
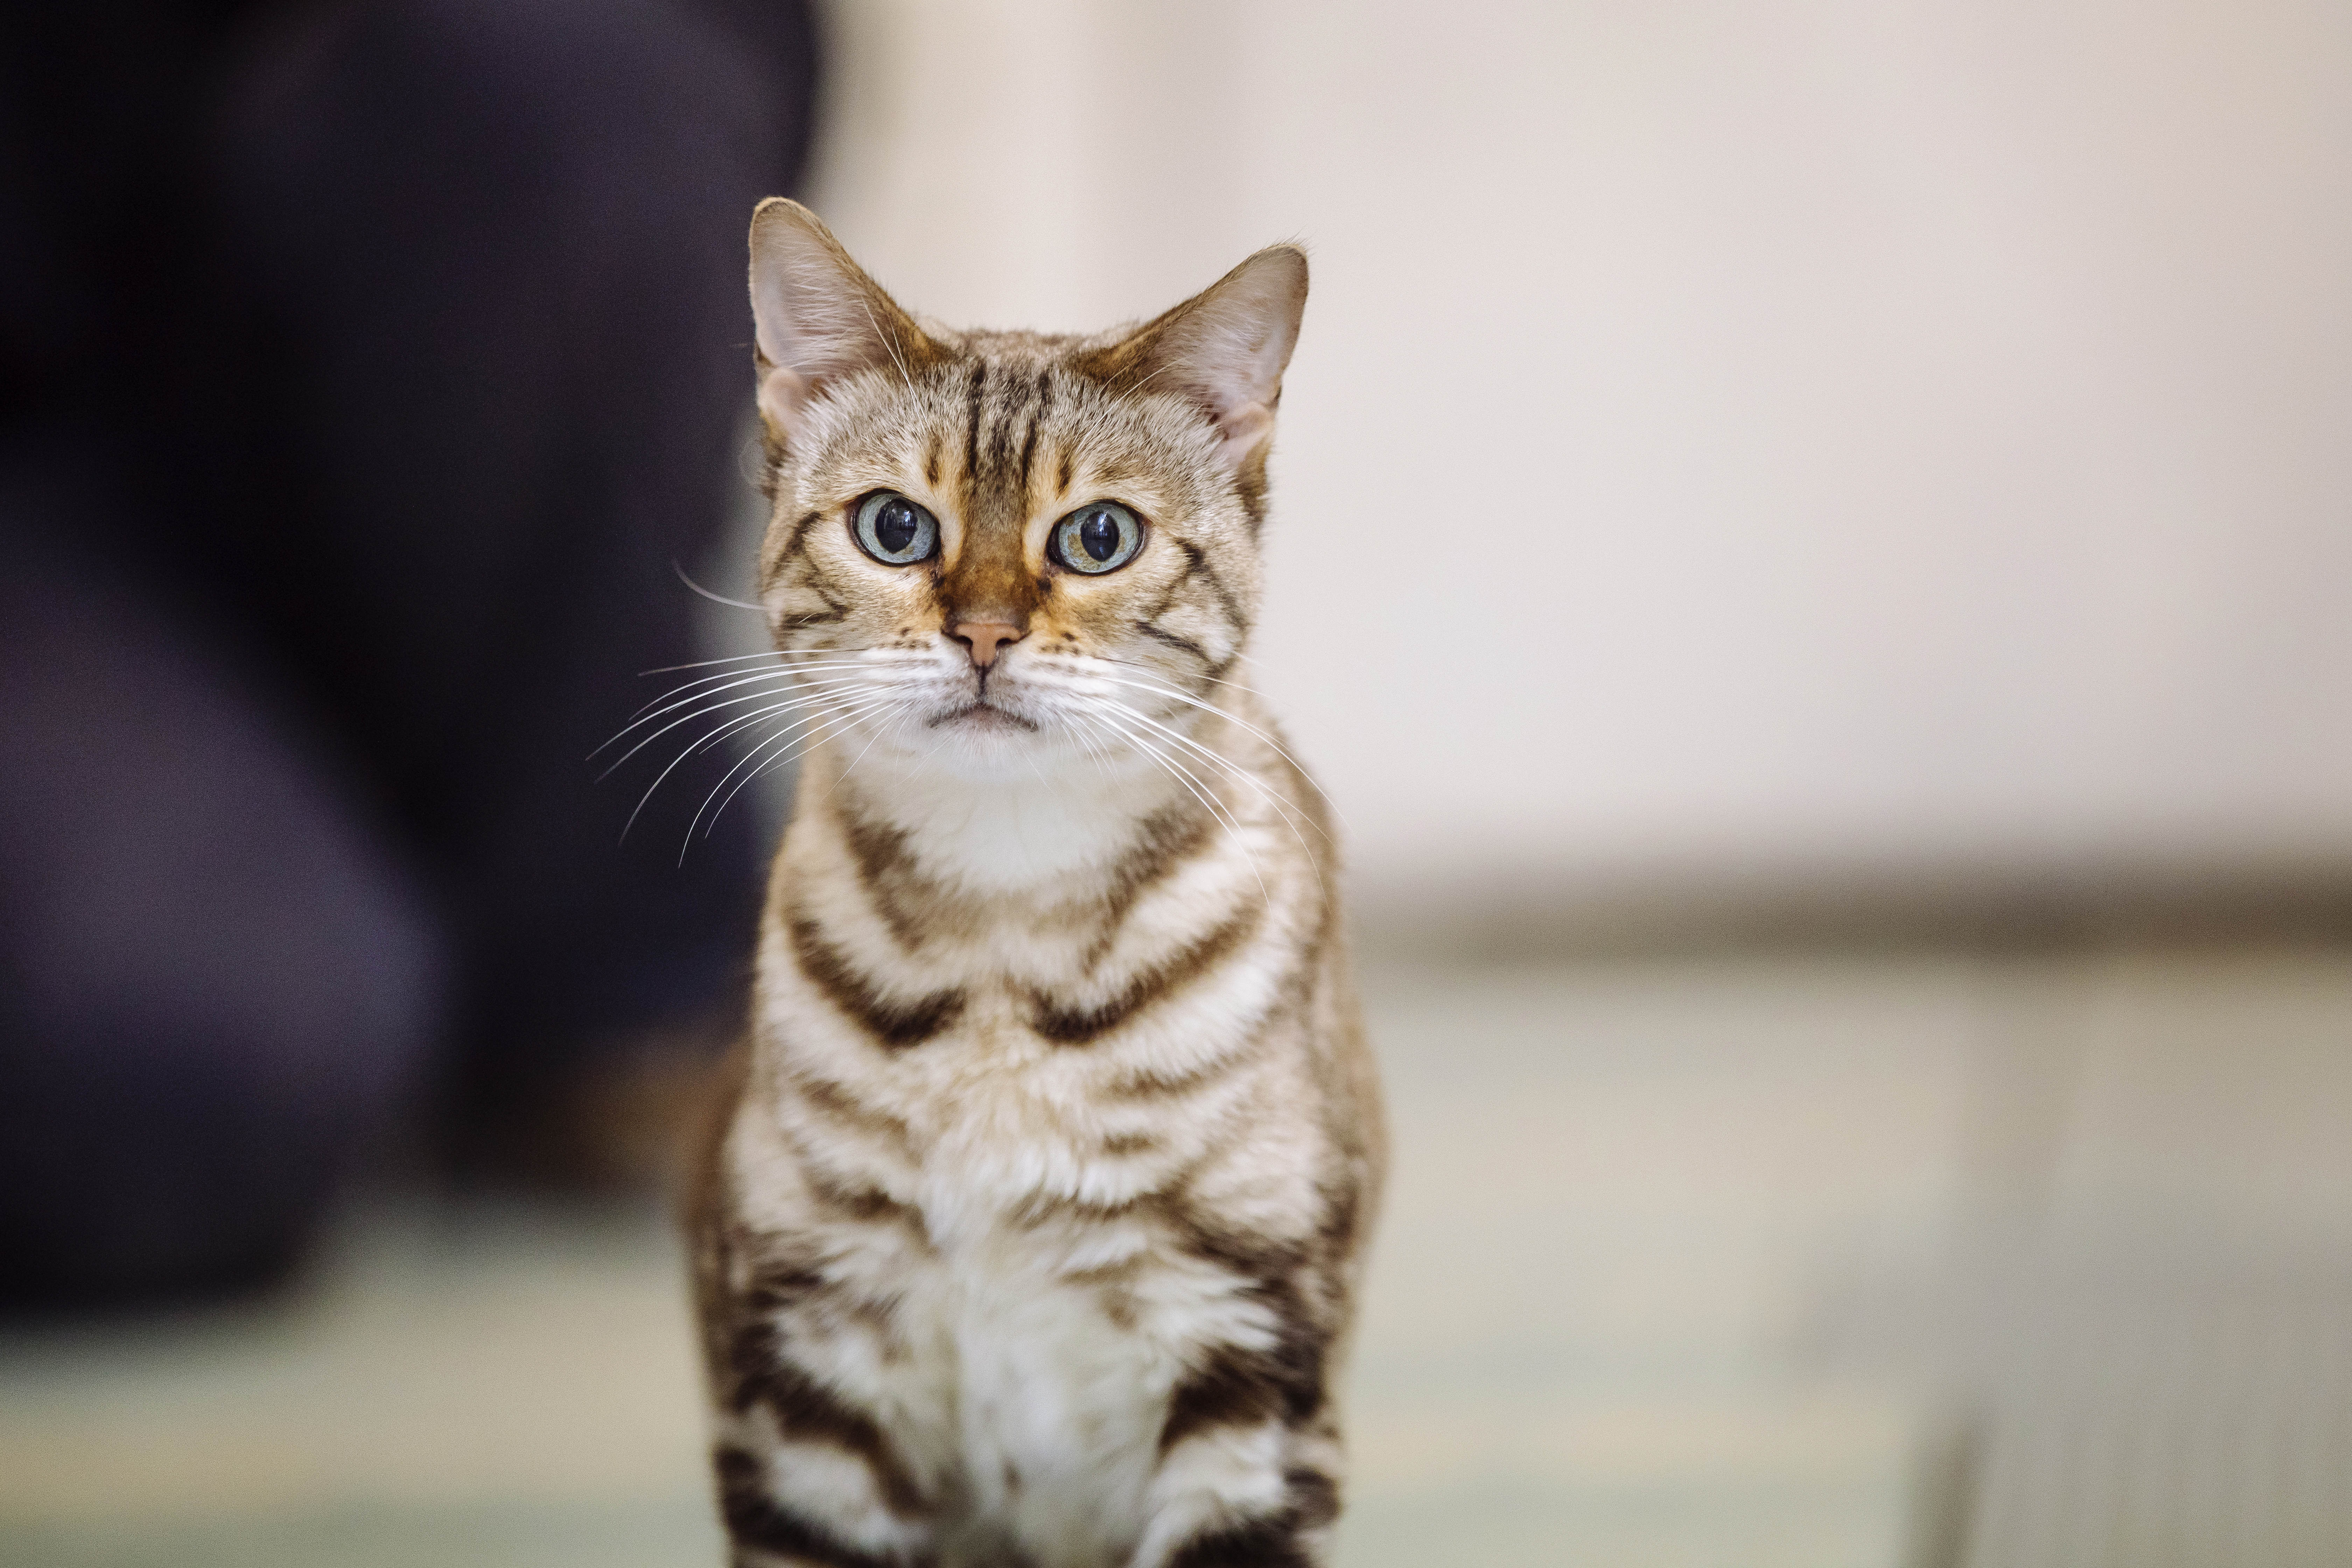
(819, 317)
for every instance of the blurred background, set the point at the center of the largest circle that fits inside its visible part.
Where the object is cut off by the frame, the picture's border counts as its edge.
(1810, 550)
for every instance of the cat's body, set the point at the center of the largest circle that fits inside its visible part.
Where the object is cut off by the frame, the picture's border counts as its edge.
(1031, 1235)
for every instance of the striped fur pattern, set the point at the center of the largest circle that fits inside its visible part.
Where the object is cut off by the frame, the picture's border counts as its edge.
(1029, 1234)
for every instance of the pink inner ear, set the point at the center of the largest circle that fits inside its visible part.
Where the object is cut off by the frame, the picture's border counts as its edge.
(782, 395)
(1246, 428)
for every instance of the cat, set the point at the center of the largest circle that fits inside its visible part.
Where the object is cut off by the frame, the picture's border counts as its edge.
(1031, 1228)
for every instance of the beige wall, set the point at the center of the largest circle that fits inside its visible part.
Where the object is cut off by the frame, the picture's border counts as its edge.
(1806, 435)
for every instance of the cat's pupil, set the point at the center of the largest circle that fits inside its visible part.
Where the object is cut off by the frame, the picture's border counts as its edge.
(1098, 535)
(895, 527)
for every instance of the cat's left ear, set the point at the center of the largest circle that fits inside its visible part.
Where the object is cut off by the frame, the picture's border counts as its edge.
(1225, 349)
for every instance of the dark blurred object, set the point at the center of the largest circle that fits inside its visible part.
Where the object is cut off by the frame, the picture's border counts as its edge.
(364, 368)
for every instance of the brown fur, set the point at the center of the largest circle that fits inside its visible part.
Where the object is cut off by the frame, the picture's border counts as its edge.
(1055, 1099)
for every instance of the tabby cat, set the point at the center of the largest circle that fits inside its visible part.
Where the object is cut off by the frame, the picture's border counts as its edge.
(1030, 1231)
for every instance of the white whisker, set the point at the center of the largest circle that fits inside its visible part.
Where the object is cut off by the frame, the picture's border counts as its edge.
(736, 677)
(1148, 670)
(805, 701)
(1235, 719)
(743, 657)
(808, 724)
(860, 757)
(1200, 791)
(825, 725)
(732, 678)
(889, 342)
(714, 598)
(1079, 687)
(703, 711)
(1240, 773)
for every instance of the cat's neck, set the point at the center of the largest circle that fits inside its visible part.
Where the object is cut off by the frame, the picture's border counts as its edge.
(1044, 831)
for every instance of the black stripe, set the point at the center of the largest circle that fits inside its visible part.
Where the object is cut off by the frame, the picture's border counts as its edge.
(1167, 839)
(1068, 1026)
(888, 870)
(1037, 417)
(971, 429)
(772, 461)
(1172, 640)
(812, 581)
(1255, 1544)
(1247, 1388)
(894, 1023)
(755, 1518)
(835, 1103)
(1343, 1214)
(799, 533)
(1314, 1498)
(808, 1412)
(1148, 1084)
(1269, 1264)
(999, 441)
(1251, 486)
(879, 849)
(833, 611)
(1196, 564)
(1311, 1500)
(773, 1290)
(863, 1201)
(1239, 1388)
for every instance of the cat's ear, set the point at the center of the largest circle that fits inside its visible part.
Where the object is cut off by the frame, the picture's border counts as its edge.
(819, 317)
(1224, 347)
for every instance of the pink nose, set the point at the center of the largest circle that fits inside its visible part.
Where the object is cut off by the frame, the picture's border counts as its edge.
(985, 638)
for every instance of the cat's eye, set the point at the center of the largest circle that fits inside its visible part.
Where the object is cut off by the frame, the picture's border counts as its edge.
(1101, 536)
(894, 530)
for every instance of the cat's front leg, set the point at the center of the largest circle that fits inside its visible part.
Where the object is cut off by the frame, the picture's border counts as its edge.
(1250, 1461)
(1238, 1498)
(806, 1481)
(810, 1474)
(1238, 1506)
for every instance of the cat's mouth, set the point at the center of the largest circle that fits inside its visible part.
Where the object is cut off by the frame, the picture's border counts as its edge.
(981, 715)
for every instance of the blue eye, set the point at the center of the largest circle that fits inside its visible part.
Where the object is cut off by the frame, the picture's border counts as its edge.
(894, 530)
(1101, 536)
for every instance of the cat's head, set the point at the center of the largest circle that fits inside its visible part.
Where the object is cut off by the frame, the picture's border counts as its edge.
(994, 551)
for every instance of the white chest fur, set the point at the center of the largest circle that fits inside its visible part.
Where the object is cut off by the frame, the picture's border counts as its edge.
(1007, 1200)
(1052, 1406)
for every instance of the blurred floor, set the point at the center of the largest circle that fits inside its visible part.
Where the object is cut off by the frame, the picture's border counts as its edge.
(1627, 1196)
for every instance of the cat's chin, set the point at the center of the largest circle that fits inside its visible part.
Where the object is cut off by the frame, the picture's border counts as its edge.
(982, 719)
(970, 741)
(982, 744)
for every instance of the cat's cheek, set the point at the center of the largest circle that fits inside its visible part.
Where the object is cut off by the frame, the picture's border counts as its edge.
(1100, 616)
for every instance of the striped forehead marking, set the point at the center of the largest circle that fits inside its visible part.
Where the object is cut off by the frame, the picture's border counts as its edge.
(1004, 413)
